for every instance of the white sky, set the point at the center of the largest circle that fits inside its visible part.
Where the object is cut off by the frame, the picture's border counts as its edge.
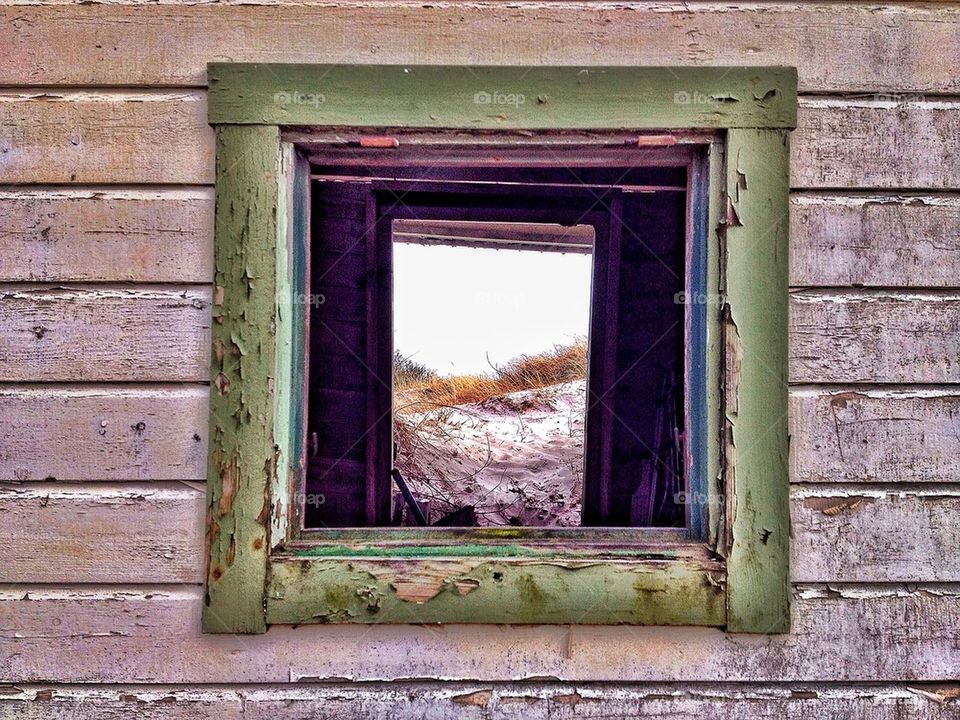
(454, 306)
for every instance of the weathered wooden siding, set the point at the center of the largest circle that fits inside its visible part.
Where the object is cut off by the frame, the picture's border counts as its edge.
(684, 701)
(106, 163)
(156, 235)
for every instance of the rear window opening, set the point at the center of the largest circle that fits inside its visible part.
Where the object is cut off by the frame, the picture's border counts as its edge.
(490, 364)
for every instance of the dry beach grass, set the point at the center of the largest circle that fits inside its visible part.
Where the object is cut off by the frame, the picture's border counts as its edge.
(508, 443)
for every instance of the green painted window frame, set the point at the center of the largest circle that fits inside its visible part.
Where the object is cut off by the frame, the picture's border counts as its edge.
(261, 572)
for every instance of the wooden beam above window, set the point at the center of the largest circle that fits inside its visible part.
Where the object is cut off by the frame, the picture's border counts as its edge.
(502, 97)
(542, 237)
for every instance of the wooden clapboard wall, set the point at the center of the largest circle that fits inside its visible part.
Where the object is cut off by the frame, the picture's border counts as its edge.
(106, 168)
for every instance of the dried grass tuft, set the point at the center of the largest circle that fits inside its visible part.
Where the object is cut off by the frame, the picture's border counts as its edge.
(421, 386)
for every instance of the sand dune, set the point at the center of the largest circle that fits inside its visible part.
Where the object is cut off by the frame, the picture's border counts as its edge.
(516, 458)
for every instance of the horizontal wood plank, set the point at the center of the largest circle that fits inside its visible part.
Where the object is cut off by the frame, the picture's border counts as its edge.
(834, 47)
(867, 534)
(141, 532)
(108, 137)
(159, 235)
(896, 435)
(152, 635)
(159, 433)
(107, 534)
(874, 338)
(153, 137)
(879, 240)
(530, 701)
(103, 433)
(149, 433)
(107, 235)
(104, 333)
(875, 144)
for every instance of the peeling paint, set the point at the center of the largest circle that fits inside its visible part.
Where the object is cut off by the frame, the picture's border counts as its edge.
(465, 586)
(755, 359)
(242, 449)
(941, 694)
(479, 698)
(836, 506)
(468, 590)
(732, 219)
(477, 583)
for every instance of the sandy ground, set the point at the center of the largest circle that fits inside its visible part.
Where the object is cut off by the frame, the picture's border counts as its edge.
(517, 458)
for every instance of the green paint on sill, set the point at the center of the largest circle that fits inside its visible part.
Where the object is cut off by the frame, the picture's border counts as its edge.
(471, 550)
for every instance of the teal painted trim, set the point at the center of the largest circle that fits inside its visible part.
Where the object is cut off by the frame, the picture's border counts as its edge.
(698, 301)
(716, 507)
(301, 301)
(492, 551)
(502, 97)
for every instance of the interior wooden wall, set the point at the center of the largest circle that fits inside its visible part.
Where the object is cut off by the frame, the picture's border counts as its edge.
(106, 164)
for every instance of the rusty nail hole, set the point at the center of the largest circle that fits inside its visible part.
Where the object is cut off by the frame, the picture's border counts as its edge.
(217, 573)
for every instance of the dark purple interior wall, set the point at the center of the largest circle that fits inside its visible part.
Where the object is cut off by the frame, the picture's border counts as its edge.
(647, 397)
(338, 383)
(645, 390)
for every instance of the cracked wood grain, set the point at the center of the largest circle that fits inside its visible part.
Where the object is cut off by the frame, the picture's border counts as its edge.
(95, 332)
(112, 137)
(123, 137)
(850, 48)
(129, 533)
(888, 240)
(103, 235)
(879, 337)
(844, 633)
(891, 239)
(153, 532)
(866, 533)
(531, 701)
(876, 143)
(145, 432)
(870, 435)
